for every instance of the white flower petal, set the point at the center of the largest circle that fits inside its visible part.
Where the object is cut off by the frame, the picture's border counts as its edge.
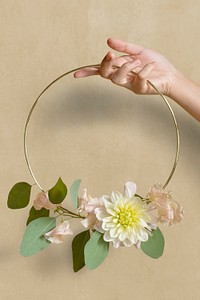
(107, 203)
(123, 235)
(98, 226)
(110, 225)
(107, 237)
(85, 223)
(127, 243)
(105, 226)
(100, 213)
(58, 239)
(133, 238)
(129, 189)
(114, 232)
(108, 219)
(111, 212)
(153, 226)
(143, 236)
(116, 243)
(116, 196)
(138, 244)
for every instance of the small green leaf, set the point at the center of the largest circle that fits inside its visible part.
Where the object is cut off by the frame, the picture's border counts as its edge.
(154, 247)
(78, 245)
(19, 195)
(58, 193)
(96, 250)
(74, 192)
(36, 214)
(33, 240)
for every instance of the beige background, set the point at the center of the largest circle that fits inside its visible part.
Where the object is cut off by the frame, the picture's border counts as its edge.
(105, 135)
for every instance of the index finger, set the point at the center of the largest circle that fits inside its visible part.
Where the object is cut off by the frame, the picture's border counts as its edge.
(125, 47)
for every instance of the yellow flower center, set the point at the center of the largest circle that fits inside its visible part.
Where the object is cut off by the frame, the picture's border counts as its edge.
(126, 216)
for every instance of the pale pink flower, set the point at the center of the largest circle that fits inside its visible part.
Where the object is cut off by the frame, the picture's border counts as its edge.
(169, 211)
(42, 200)
(87, 206)
(156, 193)
(56, 235)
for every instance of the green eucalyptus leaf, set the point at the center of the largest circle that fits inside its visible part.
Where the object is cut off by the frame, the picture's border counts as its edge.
(58, 193)
(74, 192)
(36, 214)
(96, 250)
(33, 240)
(78, 245)
(154, 247)
(19, 195)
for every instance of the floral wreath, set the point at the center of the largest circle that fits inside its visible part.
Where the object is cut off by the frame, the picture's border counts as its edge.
(120, 219)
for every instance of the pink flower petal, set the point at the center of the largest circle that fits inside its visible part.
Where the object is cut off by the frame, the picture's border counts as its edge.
(42, 200)
(56, 235)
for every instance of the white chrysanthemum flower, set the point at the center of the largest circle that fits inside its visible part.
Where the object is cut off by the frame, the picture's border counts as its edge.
(125, 218)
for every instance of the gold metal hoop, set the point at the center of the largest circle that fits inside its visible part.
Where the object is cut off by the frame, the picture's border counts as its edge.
(89, 66)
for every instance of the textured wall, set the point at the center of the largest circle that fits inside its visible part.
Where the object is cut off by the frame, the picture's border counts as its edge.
(92, 130)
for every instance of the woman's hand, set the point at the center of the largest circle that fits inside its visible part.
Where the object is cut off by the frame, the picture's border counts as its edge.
(138, 65)
(134, 69)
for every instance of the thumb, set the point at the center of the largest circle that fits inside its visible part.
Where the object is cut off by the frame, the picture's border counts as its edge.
(125, 47)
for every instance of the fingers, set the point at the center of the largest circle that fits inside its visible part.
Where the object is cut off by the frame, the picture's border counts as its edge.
(106, 68)
(110, 64)
(121, 76)
(86, 72)
(140, 84)
(125, 47)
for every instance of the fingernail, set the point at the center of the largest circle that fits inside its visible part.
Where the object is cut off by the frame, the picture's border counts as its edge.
(108, 57)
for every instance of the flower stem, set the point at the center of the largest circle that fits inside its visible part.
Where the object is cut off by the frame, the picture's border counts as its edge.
(68, 212)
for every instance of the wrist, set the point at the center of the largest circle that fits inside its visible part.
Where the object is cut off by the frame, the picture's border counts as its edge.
(186, 93)
(177, 85)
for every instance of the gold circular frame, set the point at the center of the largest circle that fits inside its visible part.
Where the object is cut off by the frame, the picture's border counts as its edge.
(89, 66)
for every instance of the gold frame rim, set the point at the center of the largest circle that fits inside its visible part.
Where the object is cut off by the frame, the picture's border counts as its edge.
(90, 66)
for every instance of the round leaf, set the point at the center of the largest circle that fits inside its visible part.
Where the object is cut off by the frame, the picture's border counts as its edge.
(19, 195)
(74, 192)
(96, 250)
(154, 247)
(33, 240)
(78, 245)
(58, 193)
